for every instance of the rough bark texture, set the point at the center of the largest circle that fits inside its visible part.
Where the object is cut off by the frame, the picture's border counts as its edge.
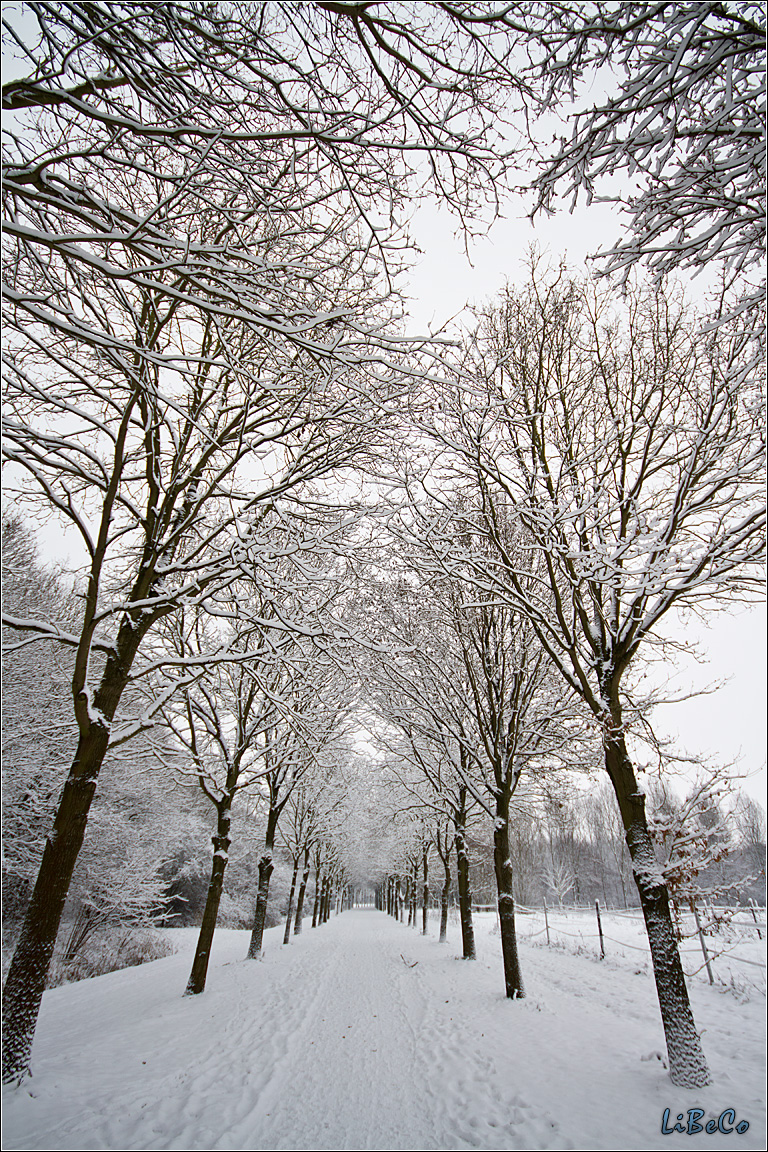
(266, 868)
(444, 901)
(316, 905)
(513, 979)
(465, 895)
(424, 893)
(221, 842)
(325, 900)
(302, 894)
(289, 915)
(28, 973)
(687, 1064)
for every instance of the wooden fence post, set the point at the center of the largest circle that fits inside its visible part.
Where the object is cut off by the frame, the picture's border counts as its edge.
(600, 930)
(701, 939)
(754, 917)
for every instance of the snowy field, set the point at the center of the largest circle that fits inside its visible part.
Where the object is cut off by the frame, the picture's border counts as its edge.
(736, 951)
(363, 1034)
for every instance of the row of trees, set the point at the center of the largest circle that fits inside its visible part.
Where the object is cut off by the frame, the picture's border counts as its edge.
(203, 230)
(608, 473)
(568, 848)
(258, 735)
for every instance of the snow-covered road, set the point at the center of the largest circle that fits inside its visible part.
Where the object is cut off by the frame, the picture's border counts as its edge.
(364, 1034)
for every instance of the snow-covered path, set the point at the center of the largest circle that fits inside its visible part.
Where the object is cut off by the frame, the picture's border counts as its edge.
(364, 1034)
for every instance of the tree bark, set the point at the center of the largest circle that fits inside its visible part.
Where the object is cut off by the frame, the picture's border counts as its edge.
(444, 901)
(28, 973)
(465, 892)
(289, 916)
(325, 894)
(316, 905)
(266, 868)
(425, 892)
(302, 894)
(221, 842)
(687, 1064)
(513, 979)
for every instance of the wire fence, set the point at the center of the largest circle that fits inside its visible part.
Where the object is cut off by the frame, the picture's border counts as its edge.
(711, 942)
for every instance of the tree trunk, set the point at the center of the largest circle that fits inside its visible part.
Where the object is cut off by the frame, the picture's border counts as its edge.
(289, 917)
(266, 868)
(687, 1065)
(316, 905)
(503, 867)
(324, 896)
(465, 894)
(221, 842)
(424, 892)
(302, 894)
(28, 973)
(444, 901)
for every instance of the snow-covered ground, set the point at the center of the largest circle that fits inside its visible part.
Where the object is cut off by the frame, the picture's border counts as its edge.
(735, 951)
(364, 1034)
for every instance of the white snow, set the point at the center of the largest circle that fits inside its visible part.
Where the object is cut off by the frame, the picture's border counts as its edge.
(364, 1034)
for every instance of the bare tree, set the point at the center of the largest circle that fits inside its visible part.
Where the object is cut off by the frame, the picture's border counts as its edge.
(311, 717)
(695, 835)
(218, 728)
(193, 218)
(618, 442)
(314, 808)
(750, 823)
(415, 683)
(469, 686)
(444, 843)
(606, 832)
(683, 118)
(520, 717)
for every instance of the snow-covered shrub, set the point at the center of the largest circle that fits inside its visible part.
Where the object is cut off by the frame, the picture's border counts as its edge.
(235, 911)
(109, 951)
(38, 732)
